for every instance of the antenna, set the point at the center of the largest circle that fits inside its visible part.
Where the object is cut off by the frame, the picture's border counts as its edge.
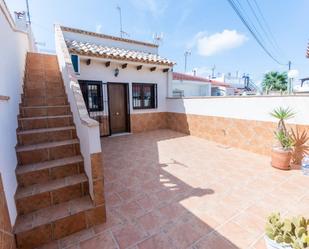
(187, 53)
(28, 11)
(157, 38)
(213, 71)
(122, 33)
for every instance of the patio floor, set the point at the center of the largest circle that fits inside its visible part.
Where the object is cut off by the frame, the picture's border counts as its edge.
(167, 190)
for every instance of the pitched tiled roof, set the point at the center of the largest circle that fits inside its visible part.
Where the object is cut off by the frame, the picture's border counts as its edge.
(182, 76)
(92, 49)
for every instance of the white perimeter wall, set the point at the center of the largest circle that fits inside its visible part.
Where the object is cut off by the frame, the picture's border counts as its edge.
(250, 108)
(14, 45)
(97, 71)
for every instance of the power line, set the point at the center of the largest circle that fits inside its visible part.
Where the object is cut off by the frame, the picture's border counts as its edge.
(270, 40)
(239, 14)
(267, 26)
(249, 21)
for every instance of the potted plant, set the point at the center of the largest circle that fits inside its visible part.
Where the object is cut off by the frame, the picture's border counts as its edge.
(282, 152)
(300, 147)
(288, 233)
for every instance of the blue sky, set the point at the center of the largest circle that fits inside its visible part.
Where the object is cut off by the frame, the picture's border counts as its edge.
(209, 28)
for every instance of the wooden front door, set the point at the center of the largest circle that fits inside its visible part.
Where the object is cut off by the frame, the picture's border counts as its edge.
(118, 107)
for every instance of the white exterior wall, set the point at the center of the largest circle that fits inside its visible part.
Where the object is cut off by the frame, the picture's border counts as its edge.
(14, 45)
(250, 108)
(98, 71)
(192, 88)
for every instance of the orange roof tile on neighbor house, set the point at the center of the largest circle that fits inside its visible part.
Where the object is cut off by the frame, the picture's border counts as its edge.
(182, 76)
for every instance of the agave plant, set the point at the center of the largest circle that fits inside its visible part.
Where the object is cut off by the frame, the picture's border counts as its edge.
(300, 147)
(282, 134)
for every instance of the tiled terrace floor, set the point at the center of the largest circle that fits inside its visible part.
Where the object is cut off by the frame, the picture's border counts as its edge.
(166, 190)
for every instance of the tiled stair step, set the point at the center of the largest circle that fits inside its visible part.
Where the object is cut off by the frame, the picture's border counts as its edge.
(35, 84)
(36, 136)
(36, 153)
(41, 172)
(42, 122)
(39, 101)
(36, 75)
(40, 92)
(55, 222)
(39, 111)
(41, 195)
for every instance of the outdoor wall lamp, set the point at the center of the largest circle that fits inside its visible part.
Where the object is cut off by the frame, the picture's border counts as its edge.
(116, 72)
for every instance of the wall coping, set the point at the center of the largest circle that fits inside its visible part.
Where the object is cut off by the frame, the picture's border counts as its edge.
(241, 97)
(82, 110)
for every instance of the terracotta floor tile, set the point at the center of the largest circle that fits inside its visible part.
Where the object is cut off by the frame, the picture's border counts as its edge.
(260, 244)
(128, 235)
(170, 190)
(251, 223)
(237, 234)
(102, 241)
(76, 238)
(215, 241)
(131, 210)
(156, 241)
(147, 202)
(183, 234)
(151, 222)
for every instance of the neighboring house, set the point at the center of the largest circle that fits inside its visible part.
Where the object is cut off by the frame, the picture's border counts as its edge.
(120, 78)
(185, 85)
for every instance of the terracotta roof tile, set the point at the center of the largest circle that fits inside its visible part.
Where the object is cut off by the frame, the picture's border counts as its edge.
(92, 49)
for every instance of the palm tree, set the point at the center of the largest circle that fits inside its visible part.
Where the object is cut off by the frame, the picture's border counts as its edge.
(275, 81)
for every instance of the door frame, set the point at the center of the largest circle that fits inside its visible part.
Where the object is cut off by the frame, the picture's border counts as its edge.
(127, 101)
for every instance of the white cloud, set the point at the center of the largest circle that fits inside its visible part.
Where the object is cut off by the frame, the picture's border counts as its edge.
(208, 45)
(98, 28)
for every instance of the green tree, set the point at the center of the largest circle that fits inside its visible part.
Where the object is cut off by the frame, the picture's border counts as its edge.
(275, 81)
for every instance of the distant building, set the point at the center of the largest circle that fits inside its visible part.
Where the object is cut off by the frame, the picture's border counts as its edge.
(185, 85)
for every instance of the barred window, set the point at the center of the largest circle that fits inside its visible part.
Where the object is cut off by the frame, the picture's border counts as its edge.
(144, 96)
(92, 93)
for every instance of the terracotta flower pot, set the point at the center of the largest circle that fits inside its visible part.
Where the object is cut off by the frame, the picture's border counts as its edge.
(281, 158)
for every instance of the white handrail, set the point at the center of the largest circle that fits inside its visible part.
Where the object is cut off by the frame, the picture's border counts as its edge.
(87, 129)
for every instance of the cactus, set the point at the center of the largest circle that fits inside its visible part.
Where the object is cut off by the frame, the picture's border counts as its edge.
(293, 232)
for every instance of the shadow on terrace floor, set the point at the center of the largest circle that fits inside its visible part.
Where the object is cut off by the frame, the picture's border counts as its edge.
(167, 190)
(150, 195)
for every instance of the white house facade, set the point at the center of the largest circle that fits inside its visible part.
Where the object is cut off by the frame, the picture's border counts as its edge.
(124, 82)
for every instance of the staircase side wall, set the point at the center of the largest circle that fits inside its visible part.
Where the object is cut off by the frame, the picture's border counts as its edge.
(14, 46)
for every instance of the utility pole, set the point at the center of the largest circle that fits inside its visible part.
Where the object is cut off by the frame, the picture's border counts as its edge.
(28, 11)
(120, 19)
(289, 79)
(213, 71)
(187, 53)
